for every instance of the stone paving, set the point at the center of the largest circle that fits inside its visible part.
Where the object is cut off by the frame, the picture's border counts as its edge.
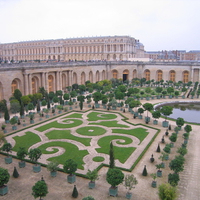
(20, 188)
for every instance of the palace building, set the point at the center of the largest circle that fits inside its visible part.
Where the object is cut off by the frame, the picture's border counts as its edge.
(56, 64)
(111, 48)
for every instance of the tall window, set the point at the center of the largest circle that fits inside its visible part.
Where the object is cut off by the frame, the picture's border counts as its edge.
(50, 80)
(115, 74)
(147, 75)
(172, 75)
(14, 86)
(160, 74)
(185, 77)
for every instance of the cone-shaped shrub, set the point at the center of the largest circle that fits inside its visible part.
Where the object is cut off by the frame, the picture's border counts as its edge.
(158, 148)
(144, 173)
(75, 192)
(15, 173)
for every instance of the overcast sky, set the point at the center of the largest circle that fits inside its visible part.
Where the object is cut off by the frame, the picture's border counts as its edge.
(158, 24)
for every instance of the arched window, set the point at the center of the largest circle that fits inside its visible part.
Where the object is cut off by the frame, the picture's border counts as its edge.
(185, 77)
(159, 75)
(91, 77)
(115, 74)
(172, 75)
(50, 82)
(35, 85)
(74, 78)
(82, 78)
(134, 73)
(147, 74)
(97, 76)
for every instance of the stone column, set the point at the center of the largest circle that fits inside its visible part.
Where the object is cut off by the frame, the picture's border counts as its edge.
(192, 75)
(46, 82)
(61, 86)
(57, 82)
(30, 83)
(43, 80)
(25, 84)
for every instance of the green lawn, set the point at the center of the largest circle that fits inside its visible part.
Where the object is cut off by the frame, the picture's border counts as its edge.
(71, 152)
(26, 140)
(121, 153)
(74, 115)
(65, 134)
(93, 116)
(140, 133)
(110, 124)
(55, 124)
(91, 131)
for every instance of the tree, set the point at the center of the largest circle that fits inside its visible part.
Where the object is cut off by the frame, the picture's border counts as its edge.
(4, 176)
(15, 106)
(42, 91)
(25, 99)
(112, 157)
(66, 96)
(55, 99)
(15, 173)
(188, 128)
(166, 111)
(167, 192)
(119, 95)
(92, 175)
(173, 137)
(6, 114)
(148, 107)
(180, 121)
(129, 181)
(173, 179)
(114, 177)
(159, 89)
(177, 164)
(34, 154)
(88, 198)
(44, 103)
(40, 189)
(182, 151)
(17, 94)
(97, 96)
(75, 192)
(70, 166)
(22, 153)
(156, 114)
(30, 106)
(170, 90)
(38, 106)
(21, 109)
(7, 147)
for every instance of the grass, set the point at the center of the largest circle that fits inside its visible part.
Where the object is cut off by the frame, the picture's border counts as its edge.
(95, 131)
(121, 153)
(93, 116)
(110, 124)
(140, 133)
(74, 115)
(55, 124)
(98, 159)
(26, 141)
(65, 134)
(71, 152)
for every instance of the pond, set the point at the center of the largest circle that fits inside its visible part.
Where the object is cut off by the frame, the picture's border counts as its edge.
(189, 111)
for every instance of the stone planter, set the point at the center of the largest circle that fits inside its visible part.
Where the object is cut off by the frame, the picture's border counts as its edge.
(167, 157)
(113, 191)
(3, 190)
(36, 168)
(8, 159)
(5, 131)
(140, 116)
(53, 173)
(71, 178)
(31, 121)
(155, 122)
(162, 165)
(89, 106)
(24, 125)
(165, 123)
(47, 116)
(91, 184)
(22, 164)
(158, 97)
(70, 108)
(60, 111)
(171, 144)
(74, 100)
(147, 119)
(159, 173)
(114, 107)
(154, 184)
(14, 127)
(183, 97)
(128, 195)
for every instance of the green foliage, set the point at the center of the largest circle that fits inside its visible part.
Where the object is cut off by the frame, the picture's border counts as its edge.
(21, 109)
(70, 166)
(30, 106)
(7, 147)
(25, 99)
(148, 107)
(34, 154)
(173, 137)
(114, 176)
(144, 173)
(22, 153)
(15, 107)
(75, 192)
(129, 181)
(52, 166)
(17, 94)
(182, 151)
(112, 157)
(15, 173)
(40, 189)
(140, 110)
(180, 121)
(173, 179)
(4, 176)
(55, 99)
(92, 175)
(177, 164)
(188, 128)
(167, 192)
(156, 114)
(167, 148)
(88, 198)
(44, 103)
(13, 121)
(6, 114)
(158, 148)
(166, 110)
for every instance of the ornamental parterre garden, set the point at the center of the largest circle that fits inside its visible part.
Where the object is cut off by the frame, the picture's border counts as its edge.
(85, 138)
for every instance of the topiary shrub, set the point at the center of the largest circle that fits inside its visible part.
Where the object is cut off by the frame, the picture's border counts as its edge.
(144, 173)
(114, 177)
(70, 166)
(15, 173)
(4, 176)
(75, 192)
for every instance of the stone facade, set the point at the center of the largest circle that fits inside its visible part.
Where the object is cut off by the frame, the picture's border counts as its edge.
(111, 48)
(28, 77)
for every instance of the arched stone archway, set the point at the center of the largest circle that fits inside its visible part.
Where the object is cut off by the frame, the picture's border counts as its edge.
(35, 84)
(91, 77)
(125, 75)
(97, 76)
(103, 75)
(172, 75)
(74, 78)
(147, 74)
(65, 82)
(16, 84)
(82, 78)
(185, 76)
(134, 73)
(50, 83)
(159, 75)
(115, 74)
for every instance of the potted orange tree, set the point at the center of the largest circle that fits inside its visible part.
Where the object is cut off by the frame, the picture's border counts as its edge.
(70, 167)
(92, 176)
(4, 178)
(7, 147)
(34, 155)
